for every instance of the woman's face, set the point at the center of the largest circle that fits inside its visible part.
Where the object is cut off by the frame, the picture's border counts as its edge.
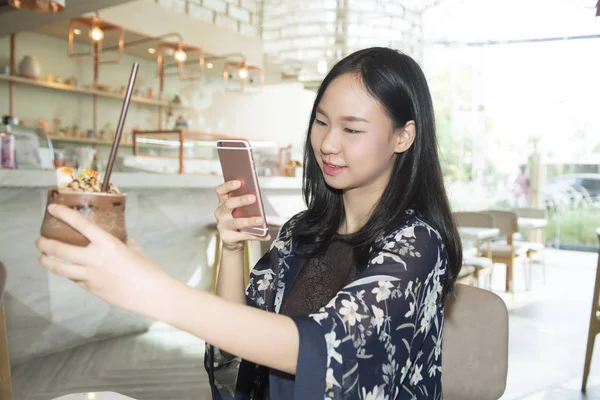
(353, 138)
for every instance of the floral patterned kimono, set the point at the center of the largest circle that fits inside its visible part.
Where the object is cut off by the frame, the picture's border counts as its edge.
(379, 338)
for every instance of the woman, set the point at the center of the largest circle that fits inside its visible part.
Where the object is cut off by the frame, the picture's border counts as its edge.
(349, 301)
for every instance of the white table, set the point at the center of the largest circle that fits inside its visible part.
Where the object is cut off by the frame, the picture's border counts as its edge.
(470, 251)
(532, 223)
(477, 234)
(535, 227)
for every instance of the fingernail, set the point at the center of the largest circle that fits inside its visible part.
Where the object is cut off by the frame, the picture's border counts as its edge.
(258, 220)
(250, 198)
(236, 184)
(51, 208)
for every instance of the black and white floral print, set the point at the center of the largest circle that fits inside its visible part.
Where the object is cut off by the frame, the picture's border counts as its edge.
(382, 333)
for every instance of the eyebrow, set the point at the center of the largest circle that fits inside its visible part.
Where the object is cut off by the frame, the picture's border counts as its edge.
(345, 117)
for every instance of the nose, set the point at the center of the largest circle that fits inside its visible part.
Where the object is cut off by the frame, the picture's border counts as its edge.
(331, 142)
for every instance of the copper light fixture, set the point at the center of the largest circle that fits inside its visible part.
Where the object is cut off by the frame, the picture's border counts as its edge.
(182, 54)
(97, 30)
(38, 5)
(598, 9)
(242, 72)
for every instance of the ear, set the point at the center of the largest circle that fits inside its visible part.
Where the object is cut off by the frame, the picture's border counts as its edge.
(404, 137)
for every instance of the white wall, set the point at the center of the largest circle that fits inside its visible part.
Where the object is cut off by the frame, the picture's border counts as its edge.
(278, 112)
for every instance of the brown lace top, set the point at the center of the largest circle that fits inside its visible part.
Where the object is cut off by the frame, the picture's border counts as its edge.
(320, 279)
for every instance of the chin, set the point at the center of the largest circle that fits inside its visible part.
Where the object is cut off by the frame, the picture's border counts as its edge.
(336, 183)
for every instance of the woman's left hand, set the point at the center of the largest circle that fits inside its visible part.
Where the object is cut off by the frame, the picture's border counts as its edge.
(119, 273)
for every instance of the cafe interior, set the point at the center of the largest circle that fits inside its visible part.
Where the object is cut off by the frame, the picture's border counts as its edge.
(514, 86)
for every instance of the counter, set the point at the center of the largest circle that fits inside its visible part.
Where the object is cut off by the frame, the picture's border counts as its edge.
(31, 179)
(167, 215)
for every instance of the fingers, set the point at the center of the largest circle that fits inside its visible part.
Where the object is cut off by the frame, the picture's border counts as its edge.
(237, 202)
(240, 223)
(234, 237)
(227, 206)
(224, 189)
(77, 222)
(72, 271)
(67, 252)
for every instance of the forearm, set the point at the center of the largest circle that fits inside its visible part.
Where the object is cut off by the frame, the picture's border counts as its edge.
(262, 337)
(230, 282)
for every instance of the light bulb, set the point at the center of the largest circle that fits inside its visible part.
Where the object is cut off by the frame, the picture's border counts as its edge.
(209, 65)
(151, 50)
(97, 34)
(243, 73)
(76, 31)
(180, 55)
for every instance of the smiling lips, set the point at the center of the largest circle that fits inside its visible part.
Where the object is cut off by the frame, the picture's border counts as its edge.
(332, 169)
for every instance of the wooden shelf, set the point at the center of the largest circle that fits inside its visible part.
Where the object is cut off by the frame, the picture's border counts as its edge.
(74, 89)
(87, 141)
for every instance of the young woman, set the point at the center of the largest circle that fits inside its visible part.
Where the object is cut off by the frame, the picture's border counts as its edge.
(349, 301)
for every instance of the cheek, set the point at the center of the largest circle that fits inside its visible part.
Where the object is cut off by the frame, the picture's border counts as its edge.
(370, 150)
(315, 140)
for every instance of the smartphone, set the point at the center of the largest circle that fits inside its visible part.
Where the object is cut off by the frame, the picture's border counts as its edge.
(237, 164)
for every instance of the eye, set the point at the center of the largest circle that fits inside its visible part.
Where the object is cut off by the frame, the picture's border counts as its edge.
(319, 122)
(351, 130)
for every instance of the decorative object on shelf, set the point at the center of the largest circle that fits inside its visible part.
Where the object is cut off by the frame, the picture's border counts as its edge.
(38, 5)
(29, 67)
(72, 81)
(244, 74)
(97, 30)
(182, 55)
(5, 69)
(291, 167)
(183, 123)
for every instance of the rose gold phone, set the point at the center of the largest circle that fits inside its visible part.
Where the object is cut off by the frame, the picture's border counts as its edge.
(237, 163)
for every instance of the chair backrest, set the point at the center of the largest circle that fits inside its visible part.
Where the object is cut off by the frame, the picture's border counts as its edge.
(475, 345)
(505, 221)
(473, 219)
(531, 212)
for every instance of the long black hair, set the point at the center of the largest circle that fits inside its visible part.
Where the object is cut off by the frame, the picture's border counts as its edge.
(398, 83)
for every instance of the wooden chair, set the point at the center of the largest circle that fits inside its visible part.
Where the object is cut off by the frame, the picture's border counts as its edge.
(483, 260)
(475, 345)
(252, 251)
(507, 252)
(536, 238)
(594, 323)
(466, 276)
(5, 380)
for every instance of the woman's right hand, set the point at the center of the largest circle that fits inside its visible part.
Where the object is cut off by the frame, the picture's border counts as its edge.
(229, 226)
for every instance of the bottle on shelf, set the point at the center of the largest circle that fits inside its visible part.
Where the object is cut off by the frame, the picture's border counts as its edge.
(7, 145)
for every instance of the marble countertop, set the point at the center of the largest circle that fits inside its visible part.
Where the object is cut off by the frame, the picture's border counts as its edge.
(27, 178)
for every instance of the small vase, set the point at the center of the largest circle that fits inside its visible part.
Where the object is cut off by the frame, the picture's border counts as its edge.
(29, 67)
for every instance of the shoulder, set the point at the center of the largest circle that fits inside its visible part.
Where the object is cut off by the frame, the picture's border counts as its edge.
(413, 237)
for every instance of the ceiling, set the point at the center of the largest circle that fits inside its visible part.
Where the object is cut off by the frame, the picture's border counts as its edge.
(60, 30)
(13, 20)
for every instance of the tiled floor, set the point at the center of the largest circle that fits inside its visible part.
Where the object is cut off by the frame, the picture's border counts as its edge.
(548, 329)
(548, 333)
